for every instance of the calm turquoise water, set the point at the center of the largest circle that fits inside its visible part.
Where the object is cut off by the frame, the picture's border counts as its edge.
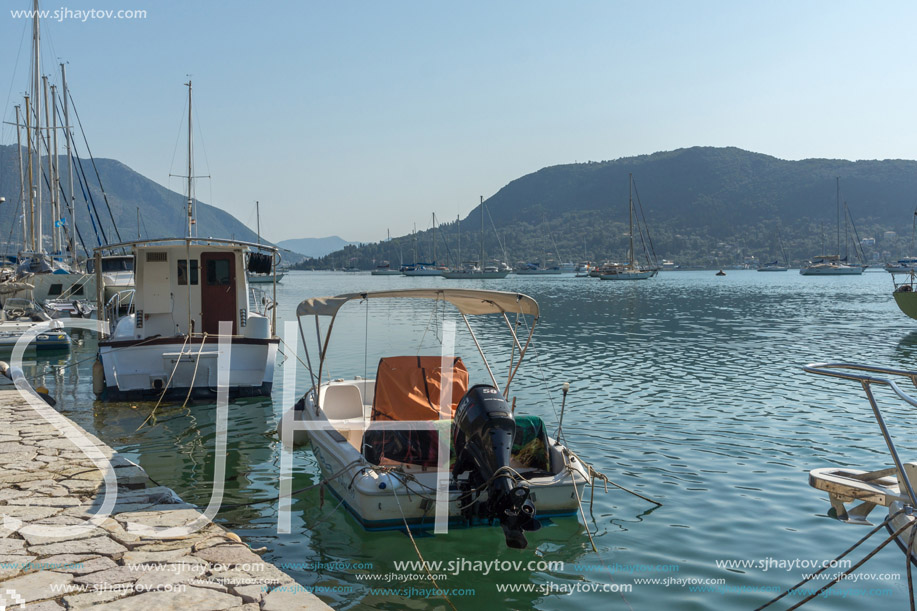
(687, 388)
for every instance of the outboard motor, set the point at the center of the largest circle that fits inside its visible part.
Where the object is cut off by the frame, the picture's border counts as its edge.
(483, 439)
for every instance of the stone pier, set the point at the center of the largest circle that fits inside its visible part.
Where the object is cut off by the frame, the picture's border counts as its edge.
(114, 562)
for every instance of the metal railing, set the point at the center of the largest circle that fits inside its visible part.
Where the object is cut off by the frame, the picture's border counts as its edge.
(121, 304)
(842, 371)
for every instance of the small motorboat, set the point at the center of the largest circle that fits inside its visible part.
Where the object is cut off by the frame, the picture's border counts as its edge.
(721, 273)
(424, 443)
(20, 316)
(855, 492)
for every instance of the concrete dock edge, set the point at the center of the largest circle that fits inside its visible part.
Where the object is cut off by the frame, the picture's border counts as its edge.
(106, 562)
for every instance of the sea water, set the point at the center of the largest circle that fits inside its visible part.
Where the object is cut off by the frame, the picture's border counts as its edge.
(687, 388)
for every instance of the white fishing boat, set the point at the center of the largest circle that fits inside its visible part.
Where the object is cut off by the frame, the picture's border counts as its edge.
(477, 270)
(855, 492)
(186, 288)
(381, 441)
(632, 270)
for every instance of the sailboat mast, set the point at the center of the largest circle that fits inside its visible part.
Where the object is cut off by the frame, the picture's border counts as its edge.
(71, 200)
(55, 173)
(838, 182)
(190, 164)
(36, 106)
(30, 245)
(482, 233)
(630, 211)
(47, 143)
(434, 239)
(258, 217)
(21, 173)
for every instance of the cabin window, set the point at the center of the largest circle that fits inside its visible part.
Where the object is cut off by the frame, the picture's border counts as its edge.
(55, 290)
(218, 272)
(183, 272)
(78, 290)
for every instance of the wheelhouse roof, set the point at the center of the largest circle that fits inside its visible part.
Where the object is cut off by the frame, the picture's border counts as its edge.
(467, 301)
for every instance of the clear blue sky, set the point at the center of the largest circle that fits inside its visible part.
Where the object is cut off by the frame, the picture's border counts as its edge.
(351, 117)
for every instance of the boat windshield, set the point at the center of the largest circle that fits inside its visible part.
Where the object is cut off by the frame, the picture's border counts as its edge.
(113, 264)
(19, 309)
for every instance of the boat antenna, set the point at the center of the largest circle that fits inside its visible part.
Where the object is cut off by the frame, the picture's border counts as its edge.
(563, 404)
(190, 163)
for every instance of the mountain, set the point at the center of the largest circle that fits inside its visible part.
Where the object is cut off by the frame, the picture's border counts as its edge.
(703, 205)
(163, 212)
(315, 247)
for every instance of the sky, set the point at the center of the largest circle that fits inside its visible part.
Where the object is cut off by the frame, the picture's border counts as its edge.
(352, 118)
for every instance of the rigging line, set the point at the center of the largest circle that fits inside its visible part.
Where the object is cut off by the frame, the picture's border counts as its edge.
(69, 200)
(544, 380)
(93, 213)
(852, 569)
(13, 227)
(181, 122)
(833, 562)
(416, 549)
(168, 382)
(908, 558)
(9, 94)
(501, 243)
(91, 158)
(643, 216)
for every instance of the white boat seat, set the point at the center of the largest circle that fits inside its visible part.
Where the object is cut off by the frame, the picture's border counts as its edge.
(341, 402)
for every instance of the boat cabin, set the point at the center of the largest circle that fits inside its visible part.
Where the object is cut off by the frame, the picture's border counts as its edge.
(182, 288)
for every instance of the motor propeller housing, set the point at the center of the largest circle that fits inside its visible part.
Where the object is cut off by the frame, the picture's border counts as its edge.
(483, 438)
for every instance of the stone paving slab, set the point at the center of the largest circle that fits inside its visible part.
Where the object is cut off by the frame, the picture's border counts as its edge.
(47, 484)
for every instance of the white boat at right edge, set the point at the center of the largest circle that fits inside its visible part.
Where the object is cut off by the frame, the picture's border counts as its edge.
(855, 492)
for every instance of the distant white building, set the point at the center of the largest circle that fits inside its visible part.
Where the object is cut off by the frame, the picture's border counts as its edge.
(868, 241)
(889, 235)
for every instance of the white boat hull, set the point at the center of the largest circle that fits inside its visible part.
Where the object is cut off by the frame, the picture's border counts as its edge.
(475, 275)
(382, 500)
(422, 272)
(629, 275)
(132, 368)
(831, 270)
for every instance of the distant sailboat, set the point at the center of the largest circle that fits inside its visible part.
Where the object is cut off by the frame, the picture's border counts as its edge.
(777, 266)
(479, 271)
(631, 270)
(385, 268)
(540, 268)
(423, 269)
(833, 265)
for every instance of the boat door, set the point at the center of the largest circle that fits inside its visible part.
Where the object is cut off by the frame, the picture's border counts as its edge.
(218, 291)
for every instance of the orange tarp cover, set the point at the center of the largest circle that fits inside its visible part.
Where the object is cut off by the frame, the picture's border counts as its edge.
(408, 387)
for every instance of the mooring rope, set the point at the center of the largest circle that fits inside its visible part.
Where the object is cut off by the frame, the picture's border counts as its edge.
(168, 382)
(416, 549)
(834, 562)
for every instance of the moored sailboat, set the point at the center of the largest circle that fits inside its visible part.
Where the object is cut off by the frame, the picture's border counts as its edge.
(632, 270)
